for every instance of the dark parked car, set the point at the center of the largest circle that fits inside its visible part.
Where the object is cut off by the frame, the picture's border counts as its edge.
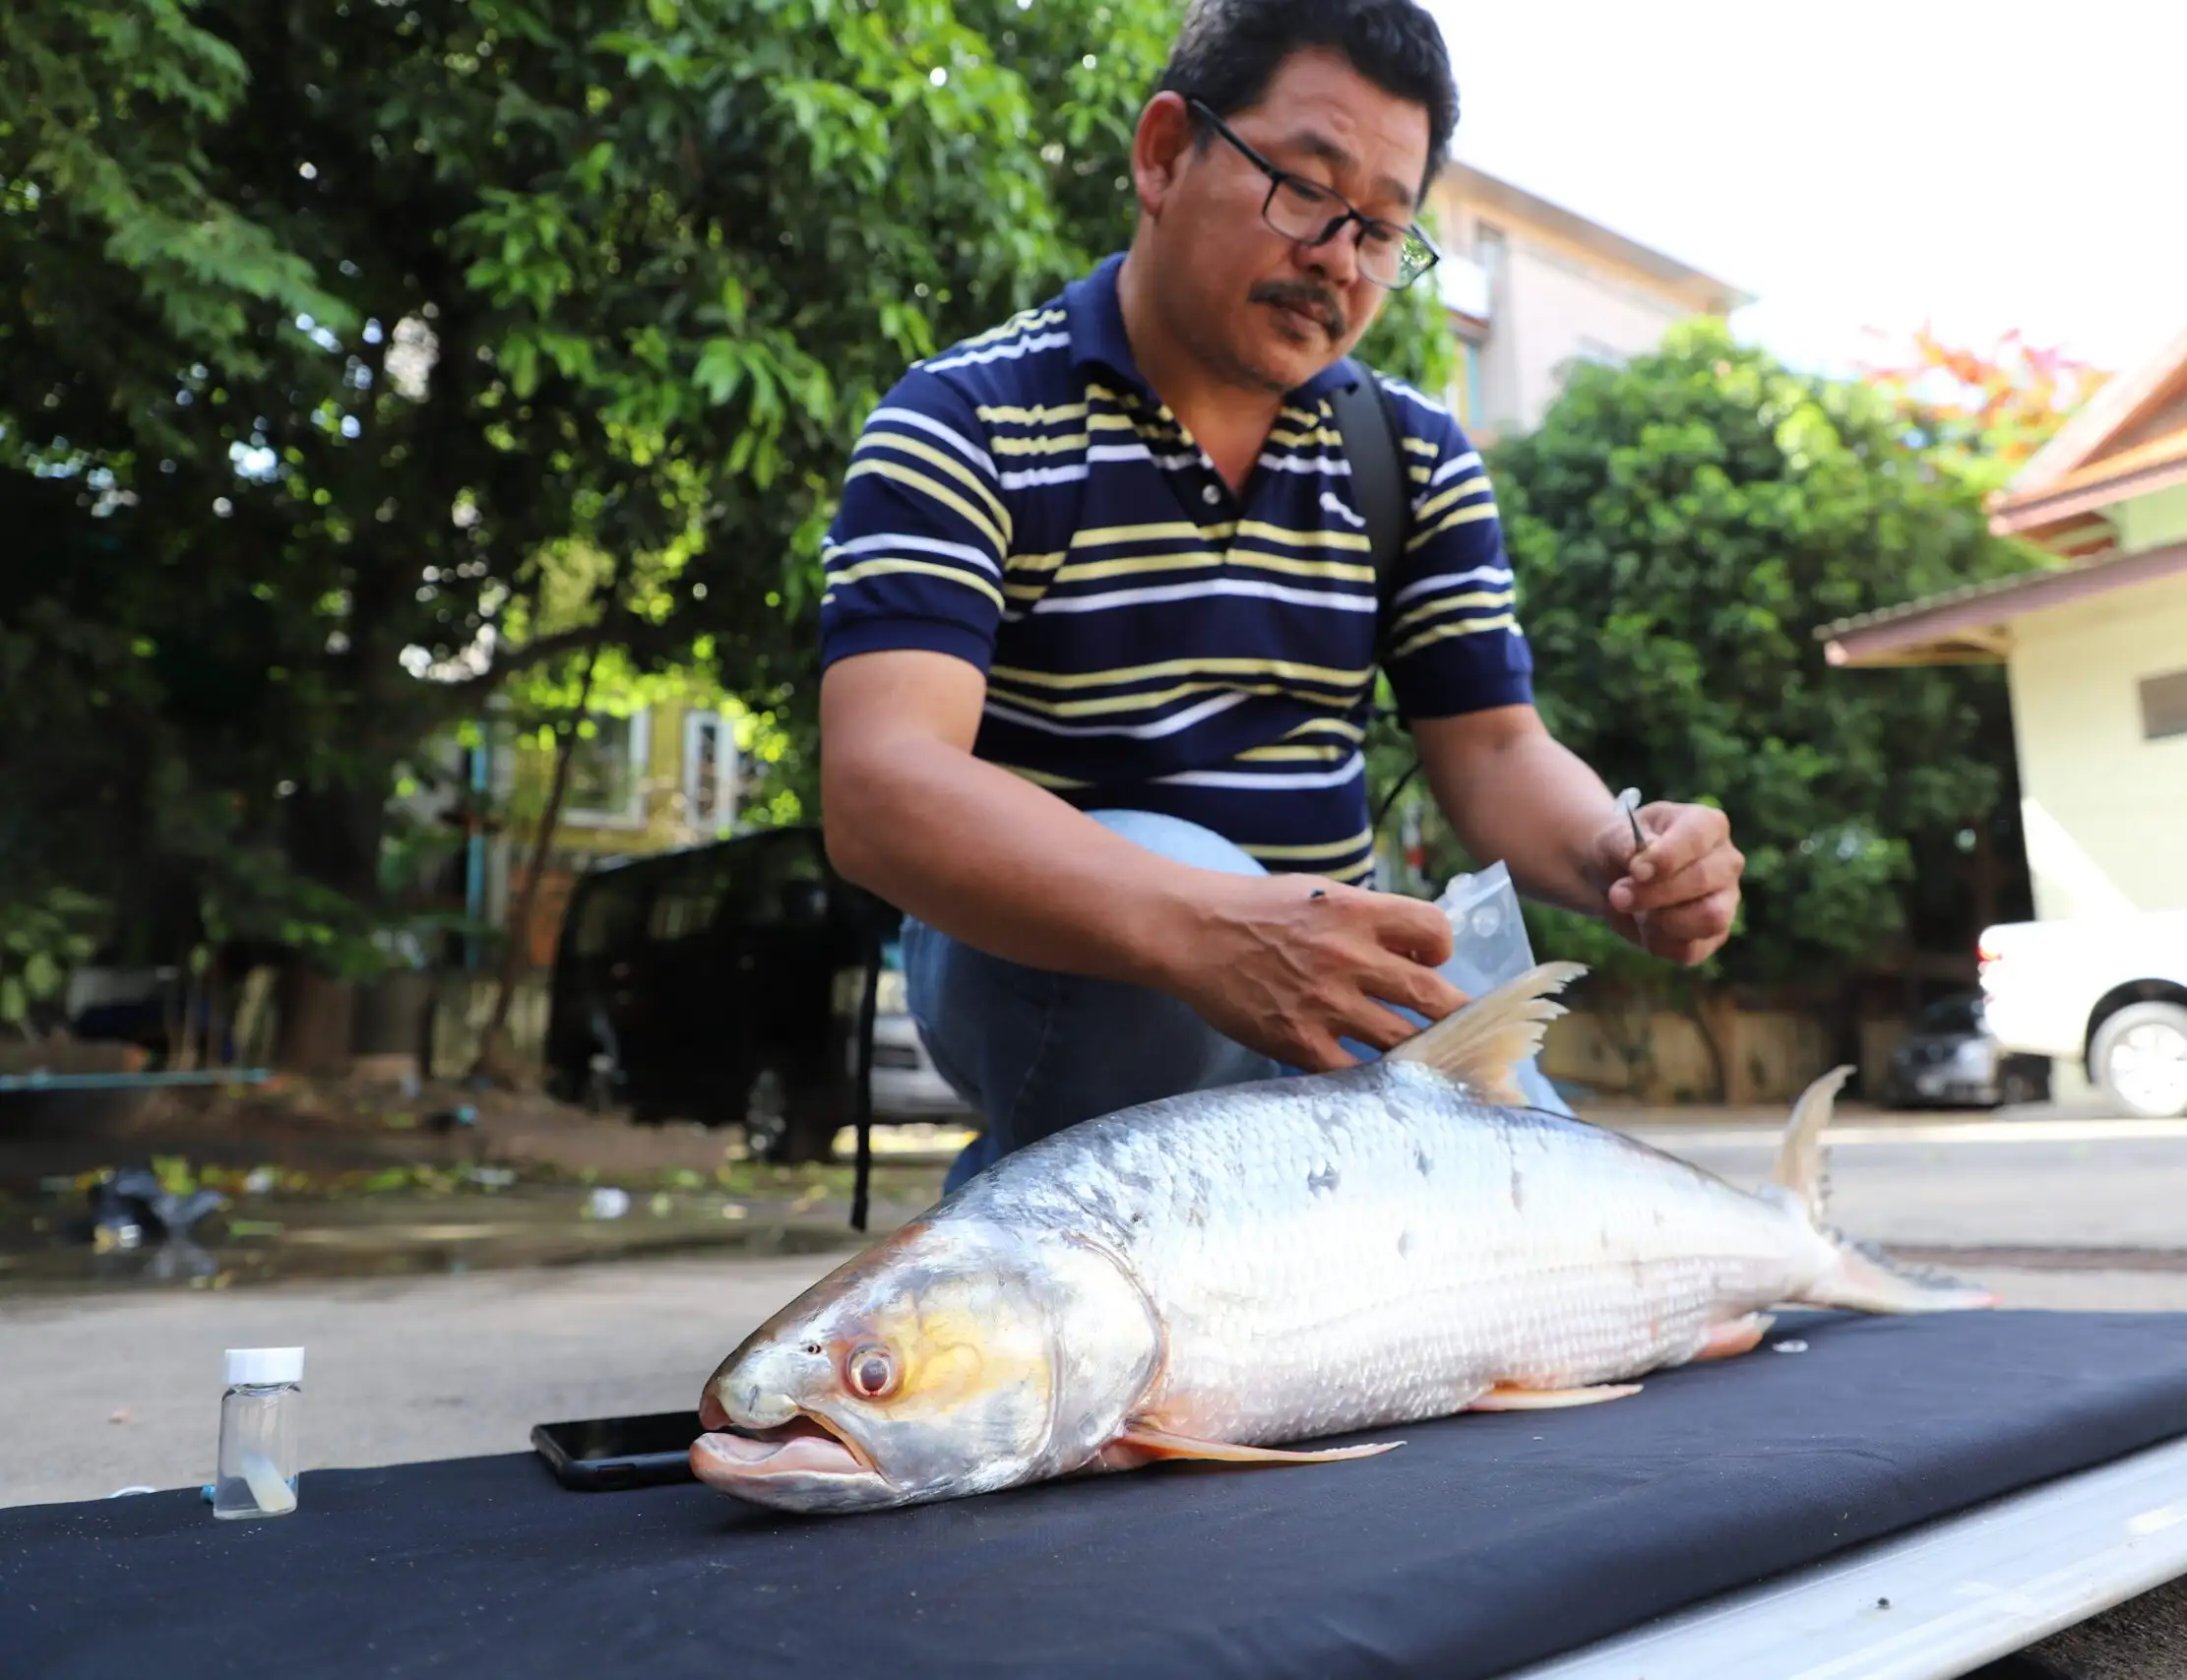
(718, 983)
(1948, 1059)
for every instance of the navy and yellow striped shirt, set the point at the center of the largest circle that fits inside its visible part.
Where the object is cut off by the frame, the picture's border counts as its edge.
(1152, 640)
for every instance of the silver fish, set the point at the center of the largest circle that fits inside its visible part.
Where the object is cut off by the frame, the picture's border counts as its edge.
(1209, 1276)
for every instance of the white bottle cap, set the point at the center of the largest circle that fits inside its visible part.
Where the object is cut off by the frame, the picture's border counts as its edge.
(260, 1365)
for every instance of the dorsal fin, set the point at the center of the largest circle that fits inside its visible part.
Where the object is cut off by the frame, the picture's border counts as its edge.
(1483, 1043)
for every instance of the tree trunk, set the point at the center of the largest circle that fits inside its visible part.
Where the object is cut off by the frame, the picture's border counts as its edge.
(1988, 873)
(497, 1051)
(335, 843)
(251, 1009)
(1716, 1017)
(1627, 1021)
(1846, 1041)
(315, 1016)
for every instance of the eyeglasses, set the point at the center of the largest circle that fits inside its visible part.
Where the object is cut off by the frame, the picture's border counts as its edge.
(1391, 256)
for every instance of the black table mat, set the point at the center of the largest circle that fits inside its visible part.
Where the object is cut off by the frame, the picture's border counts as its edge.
(1487, 1541)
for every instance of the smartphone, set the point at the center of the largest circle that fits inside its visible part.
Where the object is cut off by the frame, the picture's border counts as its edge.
(601, 1454)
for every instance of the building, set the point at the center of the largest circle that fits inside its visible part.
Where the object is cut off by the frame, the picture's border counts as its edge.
(666, 774)
(1528, 288)
(2094, 648)
(1531, 288)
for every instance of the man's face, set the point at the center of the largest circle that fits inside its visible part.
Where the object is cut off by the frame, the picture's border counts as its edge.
(1263, 310)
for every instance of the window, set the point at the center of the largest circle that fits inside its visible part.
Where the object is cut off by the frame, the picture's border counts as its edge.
(607, 773)
(688, 894)
(1488, 250)
(778, 880)
(710, 772)
(1594, 350)
(2165, 705)
(1952, 1014)
(1462, 383)
(607, 916)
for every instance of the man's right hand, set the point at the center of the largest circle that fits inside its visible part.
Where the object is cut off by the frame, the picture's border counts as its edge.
(1287, 965)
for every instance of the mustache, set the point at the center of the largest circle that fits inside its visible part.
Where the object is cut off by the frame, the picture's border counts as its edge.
(1317, 301)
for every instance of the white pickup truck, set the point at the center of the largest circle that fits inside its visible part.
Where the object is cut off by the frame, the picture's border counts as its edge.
(2109, 992)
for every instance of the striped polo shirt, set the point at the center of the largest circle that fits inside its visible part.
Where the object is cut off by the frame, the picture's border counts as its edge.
(1150, 640)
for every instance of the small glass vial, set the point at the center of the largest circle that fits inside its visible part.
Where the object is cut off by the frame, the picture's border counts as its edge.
(257, 1473)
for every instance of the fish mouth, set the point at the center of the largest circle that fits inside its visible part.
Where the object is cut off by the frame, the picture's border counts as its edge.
(733, 1459)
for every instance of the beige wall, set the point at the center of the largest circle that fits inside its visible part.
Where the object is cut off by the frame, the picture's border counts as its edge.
(1551, 298)
(2106, 811)
(1771, 1054)
(1550, 307)
(2153, 520)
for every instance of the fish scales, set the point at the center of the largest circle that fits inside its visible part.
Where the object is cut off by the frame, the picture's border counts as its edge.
(1210, 1274)
(1382, 1247)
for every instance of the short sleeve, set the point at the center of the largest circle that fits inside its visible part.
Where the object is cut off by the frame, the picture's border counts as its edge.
(1454, 645)
(914, 557)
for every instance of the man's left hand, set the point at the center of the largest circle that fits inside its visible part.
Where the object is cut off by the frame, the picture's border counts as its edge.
(1678, 894)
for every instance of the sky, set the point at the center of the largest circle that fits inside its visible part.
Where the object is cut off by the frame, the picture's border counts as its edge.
(1862, 164)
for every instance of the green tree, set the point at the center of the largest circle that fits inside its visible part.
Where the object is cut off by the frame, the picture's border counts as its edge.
(1982, 412)
(342, 329)
(480, 280)
(130, 243)
(1680, 527)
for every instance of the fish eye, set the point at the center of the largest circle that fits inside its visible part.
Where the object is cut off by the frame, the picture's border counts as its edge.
(871, 1371)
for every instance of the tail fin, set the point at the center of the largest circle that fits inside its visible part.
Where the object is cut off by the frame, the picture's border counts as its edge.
(1799, 1159)
(1858, 1276)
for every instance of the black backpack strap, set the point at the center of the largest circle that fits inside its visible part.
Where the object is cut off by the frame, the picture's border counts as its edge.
(1371, 433)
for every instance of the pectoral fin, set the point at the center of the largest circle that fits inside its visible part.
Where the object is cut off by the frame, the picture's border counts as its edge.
(1505, 1398)
(1141, 1445)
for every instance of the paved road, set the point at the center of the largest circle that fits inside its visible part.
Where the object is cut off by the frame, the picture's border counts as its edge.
(2052, 1214)
(429, 1368)
(2025, 1183)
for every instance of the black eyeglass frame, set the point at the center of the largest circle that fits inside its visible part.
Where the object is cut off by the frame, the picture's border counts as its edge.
(1280, 179)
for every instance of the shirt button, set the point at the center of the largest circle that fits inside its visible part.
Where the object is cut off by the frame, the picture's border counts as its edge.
(1211, 495)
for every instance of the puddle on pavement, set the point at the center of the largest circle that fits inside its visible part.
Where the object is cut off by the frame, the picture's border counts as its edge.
(267, 1240)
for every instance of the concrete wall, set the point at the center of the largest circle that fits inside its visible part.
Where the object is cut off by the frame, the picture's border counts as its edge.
(2106, 810)
(663, 819)
(1771, 1055)
(1551, 307)
(1551, 299)
(463, 1005)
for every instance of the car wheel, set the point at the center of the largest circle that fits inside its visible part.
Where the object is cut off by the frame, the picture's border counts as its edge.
(2141, 1060)
(2016, 1088)
(786, 1128)
(599, 1082)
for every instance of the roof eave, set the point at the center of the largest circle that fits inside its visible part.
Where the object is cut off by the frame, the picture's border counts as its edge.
(1882, 648)
(1975, 627)
(2017, 514)
(2100, 417)
(1698, 287)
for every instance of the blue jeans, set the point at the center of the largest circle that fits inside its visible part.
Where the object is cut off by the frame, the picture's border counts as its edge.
(1033, 1051)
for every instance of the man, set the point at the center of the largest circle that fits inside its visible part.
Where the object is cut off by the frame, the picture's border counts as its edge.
(1100, 627)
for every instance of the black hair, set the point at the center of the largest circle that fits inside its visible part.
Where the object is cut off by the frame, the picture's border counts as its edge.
(1228, 51)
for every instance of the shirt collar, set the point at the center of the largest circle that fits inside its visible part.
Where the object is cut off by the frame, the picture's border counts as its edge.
(1096, 320)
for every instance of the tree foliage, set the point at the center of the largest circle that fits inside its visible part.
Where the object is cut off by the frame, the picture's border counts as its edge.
(1681, 526)
(1982, 412)
(345, 330)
